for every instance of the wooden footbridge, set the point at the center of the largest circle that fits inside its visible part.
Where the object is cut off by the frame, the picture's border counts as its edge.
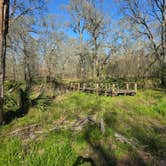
(104, 88)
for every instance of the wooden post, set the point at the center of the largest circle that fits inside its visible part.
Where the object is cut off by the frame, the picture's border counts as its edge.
(78, 86)
(84, 86)
(109, 87)
(127, 86)
(106, 88)
(75, 86)
(70, 86)
(97, 89)
(135, 87)
(113, 89)
(66, 89)
(102, 126)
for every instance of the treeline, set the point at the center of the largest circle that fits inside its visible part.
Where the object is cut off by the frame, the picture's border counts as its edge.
(131, 46)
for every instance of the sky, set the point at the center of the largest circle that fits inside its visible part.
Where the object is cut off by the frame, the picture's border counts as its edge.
(56, 7)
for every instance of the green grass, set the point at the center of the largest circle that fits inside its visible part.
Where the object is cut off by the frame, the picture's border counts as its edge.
(53, 149)
(141, 118)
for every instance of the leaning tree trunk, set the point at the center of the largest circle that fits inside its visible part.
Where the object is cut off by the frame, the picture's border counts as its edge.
(4, 19)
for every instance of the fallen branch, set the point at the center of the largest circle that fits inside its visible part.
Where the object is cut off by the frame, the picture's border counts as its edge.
(83, 121)
(123, 139)
(24, 130)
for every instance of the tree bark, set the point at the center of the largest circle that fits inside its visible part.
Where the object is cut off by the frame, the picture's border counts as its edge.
(4, 20)
(163, 74)
(163, 45)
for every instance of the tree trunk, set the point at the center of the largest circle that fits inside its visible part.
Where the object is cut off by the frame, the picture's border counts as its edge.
(4, 19)
(163, 74)
(95, 58)
(163, 47)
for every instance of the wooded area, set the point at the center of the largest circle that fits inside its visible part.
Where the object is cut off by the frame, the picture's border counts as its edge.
(38, 46)
(86, 47)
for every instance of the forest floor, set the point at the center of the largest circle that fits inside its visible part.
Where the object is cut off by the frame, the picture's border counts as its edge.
(69, 131)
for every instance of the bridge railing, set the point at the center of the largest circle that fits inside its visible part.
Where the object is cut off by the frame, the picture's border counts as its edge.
(129, 88)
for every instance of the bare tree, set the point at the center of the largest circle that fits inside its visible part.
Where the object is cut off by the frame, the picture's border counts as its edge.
(30, 60)
(149, 19)
(23, 22)
(50, 44)
(18, 9)
(96, 25)
(76, 10)
(88, 18)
